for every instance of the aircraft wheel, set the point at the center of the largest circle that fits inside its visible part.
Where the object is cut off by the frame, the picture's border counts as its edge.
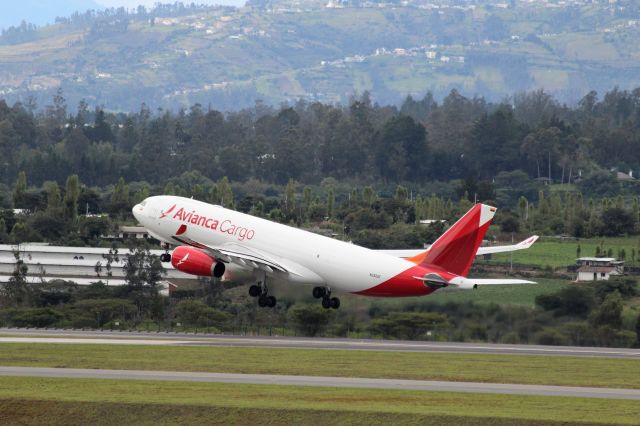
(263, 301)
(254, 291)
(271, 301)
(335, 303)
(326, 302)
(165, 257)
(319, 292)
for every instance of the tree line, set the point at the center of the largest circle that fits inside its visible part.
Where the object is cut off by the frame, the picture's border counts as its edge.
(421, 141)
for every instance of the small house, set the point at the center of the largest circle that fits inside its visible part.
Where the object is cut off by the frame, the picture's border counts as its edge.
(598, 268)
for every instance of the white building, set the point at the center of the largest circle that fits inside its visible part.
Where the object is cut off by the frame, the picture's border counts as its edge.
(598, 268)
(82, 265)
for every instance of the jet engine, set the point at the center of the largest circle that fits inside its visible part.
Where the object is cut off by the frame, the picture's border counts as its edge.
(196, 262)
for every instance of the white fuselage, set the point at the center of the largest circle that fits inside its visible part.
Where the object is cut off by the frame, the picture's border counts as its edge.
(309, 258)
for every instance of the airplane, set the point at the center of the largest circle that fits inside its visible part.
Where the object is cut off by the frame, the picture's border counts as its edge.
(211, 239)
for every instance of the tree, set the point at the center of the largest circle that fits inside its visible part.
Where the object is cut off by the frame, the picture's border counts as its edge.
(368, 196)
(617, 221)
(54, 202)
(72, 192)
(225, 193)
(331, 199)
(609, 313)
(20, 190)
(17, 292)
(4, 235)
(143, 272)
(401, 152)
(120, 197)
(290, 197)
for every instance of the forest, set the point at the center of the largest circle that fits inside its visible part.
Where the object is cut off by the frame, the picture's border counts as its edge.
(551, 168)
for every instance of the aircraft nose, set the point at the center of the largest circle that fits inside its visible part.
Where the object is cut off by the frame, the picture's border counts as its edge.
(137, 211)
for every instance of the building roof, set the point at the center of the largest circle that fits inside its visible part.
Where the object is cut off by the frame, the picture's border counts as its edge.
(41, 248)
(597, 259)
(134, 229)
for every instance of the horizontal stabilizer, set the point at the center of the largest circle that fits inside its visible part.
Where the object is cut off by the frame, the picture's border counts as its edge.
(469, 283)
(498, 281)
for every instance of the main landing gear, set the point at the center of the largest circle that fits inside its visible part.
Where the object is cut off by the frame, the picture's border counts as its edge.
(324, 293)
(261, 291)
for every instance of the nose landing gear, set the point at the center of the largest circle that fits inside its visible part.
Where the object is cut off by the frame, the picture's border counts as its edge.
(324, 293)
(166, 256)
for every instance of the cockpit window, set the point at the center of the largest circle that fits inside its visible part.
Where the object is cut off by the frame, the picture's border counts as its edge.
(143, 203)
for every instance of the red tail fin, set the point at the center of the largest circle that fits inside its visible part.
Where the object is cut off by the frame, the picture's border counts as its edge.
(455, 250)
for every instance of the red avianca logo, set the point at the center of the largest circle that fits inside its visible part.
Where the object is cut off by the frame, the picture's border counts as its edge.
(226, 226)
(165, 214)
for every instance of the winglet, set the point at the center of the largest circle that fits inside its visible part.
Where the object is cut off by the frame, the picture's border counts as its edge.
(528, 242)
(522, 245)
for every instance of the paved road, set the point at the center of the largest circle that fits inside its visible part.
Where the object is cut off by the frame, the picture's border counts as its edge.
(143, 338)
(342, 382)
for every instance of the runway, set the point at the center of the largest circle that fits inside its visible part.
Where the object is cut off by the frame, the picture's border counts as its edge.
(190, 339)
(341, 382)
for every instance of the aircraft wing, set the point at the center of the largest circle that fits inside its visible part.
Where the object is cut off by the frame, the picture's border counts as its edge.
(238, 254)
(243, 256)
(482, 250)
(500, 249)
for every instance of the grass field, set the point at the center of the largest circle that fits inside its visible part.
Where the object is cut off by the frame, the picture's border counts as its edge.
(523, 369)
(555, 253)
(501, 294)
(168, 402)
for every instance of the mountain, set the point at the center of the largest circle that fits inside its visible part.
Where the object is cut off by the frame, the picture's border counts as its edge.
(40, 12)
(275, 51)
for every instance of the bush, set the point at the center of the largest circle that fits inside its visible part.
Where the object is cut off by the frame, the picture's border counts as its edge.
(572, 300)
(196, 313)
(95, 313)
(549, 336)
(626, 287)
(310, 319)
(409, 325)
(30, 317)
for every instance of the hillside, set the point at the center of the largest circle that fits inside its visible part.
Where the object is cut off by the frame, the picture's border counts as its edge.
(228, 57)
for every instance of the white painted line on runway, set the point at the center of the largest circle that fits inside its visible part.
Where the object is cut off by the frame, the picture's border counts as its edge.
(77, 341)
(110, 337)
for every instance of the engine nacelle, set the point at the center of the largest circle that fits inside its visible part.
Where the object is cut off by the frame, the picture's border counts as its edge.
(196, 262)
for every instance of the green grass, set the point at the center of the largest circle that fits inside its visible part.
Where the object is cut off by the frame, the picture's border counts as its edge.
(238, 401)
(502, 294)
(39, 412)
(524, 369)
(555, 253)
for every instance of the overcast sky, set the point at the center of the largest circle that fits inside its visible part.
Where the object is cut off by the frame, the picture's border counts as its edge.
(134, 3)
